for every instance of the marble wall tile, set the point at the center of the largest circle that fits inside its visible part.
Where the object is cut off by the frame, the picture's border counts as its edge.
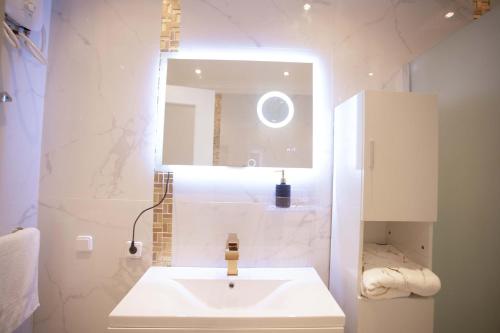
(79, 290)
(269, 237)
(98, 115)
(362, 36)
(97, 158)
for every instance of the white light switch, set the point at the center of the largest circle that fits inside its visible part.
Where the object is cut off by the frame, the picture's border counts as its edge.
(84, 243)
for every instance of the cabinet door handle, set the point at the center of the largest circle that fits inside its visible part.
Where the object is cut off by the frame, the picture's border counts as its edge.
(372, 154)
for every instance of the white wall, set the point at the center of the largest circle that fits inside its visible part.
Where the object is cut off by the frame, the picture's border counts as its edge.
(203, 101)
(178, 145)
(464, 70)
(98, 157)
(21, 132)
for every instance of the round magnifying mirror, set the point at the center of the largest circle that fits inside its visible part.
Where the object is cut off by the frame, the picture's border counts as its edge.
(275, 109)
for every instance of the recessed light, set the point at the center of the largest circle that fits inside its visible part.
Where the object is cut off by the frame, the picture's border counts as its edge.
(197, 71)
(286, 74)
(307, 6)
(449, 15)
(370, 74)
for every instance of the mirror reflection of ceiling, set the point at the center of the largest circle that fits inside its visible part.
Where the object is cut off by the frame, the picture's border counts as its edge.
(359, 36)
(241, 77)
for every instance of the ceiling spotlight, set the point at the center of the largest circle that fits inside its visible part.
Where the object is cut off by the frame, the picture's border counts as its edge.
(286, 74)
(370, 74)
(197, 71)
(449, 15)
(307, 6)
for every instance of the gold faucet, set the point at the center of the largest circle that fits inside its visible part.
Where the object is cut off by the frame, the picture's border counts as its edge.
(232, 254)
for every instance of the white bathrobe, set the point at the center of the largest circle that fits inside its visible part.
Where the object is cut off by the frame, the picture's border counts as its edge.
(388, 273)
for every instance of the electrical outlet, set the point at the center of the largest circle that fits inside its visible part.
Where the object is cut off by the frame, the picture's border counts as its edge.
(136, 255)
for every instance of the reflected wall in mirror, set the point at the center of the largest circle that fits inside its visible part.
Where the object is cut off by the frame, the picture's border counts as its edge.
(238, 113)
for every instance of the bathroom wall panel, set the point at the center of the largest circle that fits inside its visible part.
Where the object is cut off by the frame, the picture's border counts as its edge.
(78, 290)
(466, 243)
(97, 158)
(21, 124)
(269, 237)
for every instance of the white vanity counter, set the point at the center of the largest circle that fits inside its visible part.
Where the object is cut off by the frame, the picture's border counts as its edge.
(179, 299)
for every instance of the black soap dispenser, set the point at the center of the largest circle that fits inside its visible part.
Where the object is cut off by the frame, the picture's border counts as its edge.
(283, 192)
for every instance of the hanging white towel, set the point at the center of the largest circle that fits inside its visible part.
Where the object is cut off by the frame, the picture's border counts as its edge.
(18, 277)
(388, 273)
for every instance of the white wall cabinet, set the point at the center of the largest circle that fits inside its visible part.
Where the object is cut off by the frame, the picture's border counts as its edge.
(384, 190)
(400, 156)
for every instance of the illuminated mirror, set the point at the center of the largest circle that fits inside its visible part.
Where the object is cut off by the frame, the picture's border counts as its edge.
(238, 113)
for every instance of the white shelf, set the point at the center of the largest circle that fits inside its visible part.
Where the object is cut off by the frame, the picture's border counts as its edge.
(410, 299)
(414, 239)
(292, 208)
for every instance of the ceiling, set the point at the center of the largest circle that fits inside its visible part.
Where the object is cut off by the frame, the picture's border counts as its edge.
(241, 77)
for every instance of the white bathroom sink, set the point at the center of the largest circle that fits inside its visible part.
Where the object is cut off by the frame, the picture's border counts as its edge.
(206, 298)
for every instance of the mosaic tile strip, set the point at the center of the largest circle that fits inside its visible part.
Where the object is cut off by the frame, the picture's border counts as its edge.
(481, 7)
(170, 25)
(162, 220)
(217, 119)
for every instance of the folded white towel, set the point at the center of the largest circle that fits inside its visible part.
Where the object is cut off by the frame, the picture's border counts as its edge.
(18, 277)
(388, 273)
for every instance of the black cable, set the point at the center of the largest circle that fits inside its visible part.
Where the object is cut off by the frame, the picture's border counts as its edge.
(132, 248)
